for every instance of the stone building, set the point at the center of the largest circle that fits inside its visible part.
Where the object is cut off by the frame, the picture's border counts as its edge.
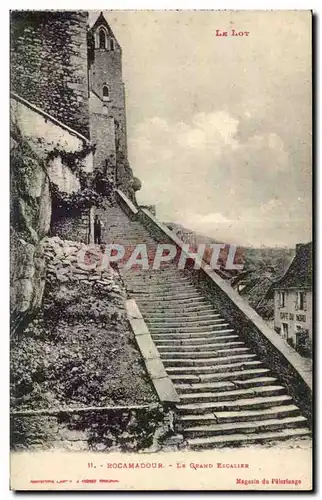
(107, 107)
(293, 301)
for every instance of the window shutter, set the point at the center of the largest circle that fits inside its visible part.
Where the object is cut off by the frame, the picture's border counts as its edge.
(304, 301)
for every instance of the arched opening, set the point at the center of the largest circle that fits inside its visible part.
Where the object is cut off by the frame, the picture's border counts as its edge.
(102, 39)
(112, 46)
(106, 93)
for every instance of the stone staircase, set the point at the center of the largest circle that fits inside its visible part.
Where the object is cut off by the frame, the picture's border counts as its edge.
(228, 396)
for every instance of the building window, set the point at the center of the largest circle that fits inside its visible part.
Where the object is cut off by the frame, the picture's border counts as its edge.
(112, 46)
(102, 39)
(301, 301)
(285, 330)
(282, 299)
(106, 93)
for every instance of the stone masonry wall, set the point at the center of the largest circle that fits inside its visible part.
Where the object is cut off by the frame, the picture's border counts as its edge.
(107, 69)
(99, 429)
(49, 63)
(74, 225)
(103, 136)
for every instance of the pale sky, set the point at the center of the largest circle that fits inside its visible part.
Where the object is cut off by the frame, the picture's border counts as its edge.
(219, 128)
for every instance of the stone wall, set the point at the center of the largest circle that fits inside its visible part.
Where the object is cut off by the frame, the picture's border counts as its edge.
(287, 365)
(128, 429)
(103, 136)
(38, 166)
(106, 68)
(71, 225)
(49, 63)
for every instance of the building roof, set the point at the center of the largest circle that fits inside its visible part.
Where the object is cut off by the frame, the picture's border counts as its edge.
(101, 21)
(299, 274)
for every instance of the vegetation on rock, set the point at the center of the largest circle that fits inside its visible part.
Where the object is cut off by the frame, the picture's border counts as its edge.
(79, 350)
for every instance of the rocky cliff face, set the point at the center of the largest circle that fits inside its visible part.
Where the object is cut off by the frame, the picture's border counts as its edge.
(30, 221)
(47, 160)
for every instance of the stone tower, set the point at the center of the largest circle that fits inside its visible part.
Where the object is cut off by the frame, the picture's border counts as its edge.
(49, 64)
(107, 106)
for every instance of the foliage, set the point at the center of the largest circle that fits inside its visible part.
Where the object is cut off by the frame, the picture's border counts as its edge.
(75, 201)
(78, 352)
(72, 159)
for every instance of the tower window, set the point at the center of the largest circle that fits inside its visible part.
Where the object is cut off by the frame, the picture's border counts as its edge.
(106, 93)
(112, 46)
(102, 39)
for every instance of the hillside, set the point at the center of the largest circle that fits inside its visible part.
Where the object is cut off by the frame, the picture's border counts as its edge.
(262, 267)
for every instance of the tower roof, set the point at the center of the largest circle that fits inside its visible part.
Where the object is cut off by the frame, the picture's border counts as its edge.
(101, 21)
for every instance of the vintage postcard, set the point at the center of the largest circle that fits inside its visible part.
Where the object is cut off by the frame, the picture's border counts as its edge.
(161, 250)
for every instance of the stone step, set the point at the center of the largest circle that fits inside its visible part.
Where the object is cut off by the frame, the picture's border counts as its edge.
(178, 300)
(202, 354)
(202, 371)
(198, 387)
(154, 279)
(193, 378)
(186, 295)
(167, 315)
(195, 342)
(171, 272)
(131, 242)
(279, 411)
(232, 394)
(275, 412)
(227, 384)
(134, 274)
(163, 288)
(256, 403)
(135, 279)
(234, 439)
(133, 234)
(214, 327)
(188, 323)
(245, 427)
(165, 275)
(190, 319)
(214, 334)
(204, 348)
(176, 309)
(259, 381)
(207, 361)
(180, 303)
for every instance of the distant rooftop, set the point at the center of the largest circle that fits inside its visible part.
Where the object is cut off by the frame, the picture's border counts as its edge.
(299, 274)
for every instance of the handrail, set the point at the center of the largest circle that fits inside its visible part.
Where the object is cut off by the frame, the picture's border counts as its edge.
(127, 204)
(153, 363)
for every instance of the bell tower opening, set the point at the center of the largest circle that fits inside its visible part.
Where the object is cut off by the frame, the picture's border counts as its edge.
(102, 39)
